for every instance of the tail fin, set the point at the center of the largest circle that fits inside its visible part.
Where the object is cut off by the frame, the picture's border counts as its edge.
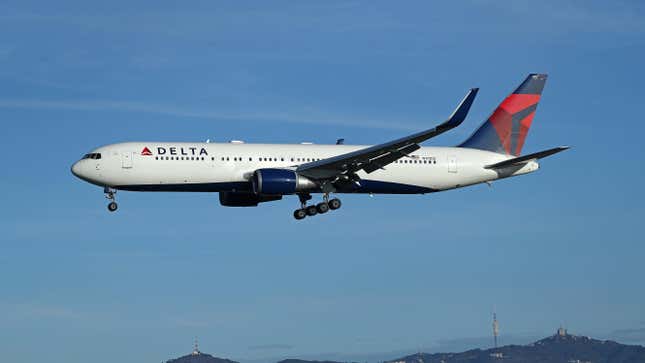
(506, 129)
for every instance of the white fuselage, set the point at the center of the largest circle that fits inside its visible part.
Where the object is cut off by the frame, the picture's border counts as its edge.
(214, 167)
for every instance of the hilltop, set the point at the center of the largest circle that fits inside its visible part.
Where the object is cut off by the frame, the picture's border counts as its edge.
(559, 348)
(199, 357)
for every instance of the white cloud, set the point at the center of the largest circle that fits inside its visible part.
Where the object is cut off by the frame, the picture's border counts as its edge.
(40, 311)
(302, 117)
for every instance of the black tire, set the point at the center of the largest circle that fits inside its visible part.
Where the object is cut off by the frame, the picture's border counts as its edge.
(322, 208)
(112, 206)
(299, 214)
(311, 210)
(334, 204)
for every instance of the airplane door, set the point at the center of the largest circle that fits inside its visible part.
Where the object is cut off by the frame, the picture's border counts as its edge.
(126, 159)
(452, 164)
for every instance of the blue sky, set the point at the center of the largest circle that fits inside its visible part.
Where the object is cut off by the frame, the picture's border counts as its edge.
(384, 274)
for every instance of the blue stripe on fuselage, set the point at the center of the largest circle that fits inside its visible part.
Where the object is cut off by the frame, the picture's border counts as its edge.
(367, 186)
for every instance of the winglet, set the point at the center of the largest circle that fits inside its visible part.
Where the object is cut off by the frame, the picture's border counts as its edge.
(459, 114)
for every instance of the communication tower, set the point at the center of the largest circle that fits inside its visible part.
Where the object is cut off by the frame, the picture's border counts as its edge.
(495, 328)
(195, 348)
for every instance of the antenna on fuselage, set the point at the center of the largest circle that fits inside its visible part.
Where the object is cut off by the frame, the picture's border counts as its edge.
(340, 142)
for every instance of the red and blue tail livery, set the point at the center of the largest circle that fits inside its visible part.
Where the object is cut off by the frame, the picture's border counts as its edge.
(505, 130)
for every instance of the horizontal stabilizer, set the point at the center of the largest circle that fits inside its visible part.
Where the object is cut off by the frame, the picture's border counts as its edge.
(526, 158)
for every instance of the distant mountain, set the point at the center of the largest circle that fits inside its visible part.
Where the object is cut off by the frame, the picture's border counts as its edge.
(559, 348)
(199, 357)
(307, 361)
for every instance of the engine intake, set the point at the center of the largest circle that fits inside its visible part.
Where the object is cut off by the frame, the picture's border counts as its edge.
(280, 182)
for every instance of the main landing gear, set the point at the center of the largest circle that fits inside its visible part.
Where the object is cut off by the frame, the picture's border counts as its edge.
(109, 195)
(321, 208)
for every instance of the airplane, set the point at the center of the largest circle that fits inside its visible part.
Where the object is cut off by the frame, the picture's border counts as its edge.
(246, 175)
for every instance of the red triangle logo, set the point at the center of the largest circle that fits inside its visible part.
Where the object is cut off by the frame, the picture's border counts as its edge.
(146, 152)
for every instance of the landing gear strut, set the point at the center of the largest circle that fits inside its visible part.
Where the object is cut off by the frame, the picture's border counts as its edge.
(321, 208)
(109, 195)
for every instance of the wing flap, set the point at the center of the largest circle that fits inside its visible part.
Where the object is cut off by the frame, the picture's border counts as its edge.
(390, 157)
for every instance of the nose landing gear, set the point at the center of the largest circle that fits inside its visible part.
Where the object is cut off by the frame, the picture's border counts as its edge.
(109, 195)
(321, 208)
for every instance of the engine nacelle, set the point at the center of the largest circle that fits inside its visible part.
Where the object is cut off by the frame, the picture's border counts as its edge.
(280, 182)
(245, 199)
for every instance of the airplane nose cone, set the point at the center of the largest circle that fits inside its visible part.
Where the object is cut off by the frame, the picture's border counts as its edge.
(76, 170)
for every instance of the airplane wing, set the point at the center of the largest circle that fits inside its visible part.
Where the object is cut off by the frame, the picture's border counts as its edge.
(377, 156)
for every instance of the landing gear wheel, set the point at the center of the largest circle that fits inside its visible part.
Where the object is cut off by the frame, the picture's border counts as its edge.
(311, 210)
(109, 195)
(299, 214)
(322, 208)
(334, 204)
(112, 206)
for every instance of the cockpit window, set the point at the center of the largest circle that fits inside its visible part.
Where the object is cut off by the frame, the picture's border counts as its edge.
(92, 156)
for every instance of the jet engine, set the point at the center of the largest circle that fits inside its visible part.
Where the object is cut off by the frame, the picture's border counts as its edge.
(280, 182)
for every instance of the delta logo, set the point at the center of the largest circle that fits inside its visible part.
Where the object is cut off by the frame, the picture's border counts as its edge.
(173, 150)
(146, 152)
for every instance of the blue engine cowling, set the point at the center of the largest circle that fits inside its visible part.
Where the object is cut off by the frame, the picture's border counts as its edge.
(280, 182)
